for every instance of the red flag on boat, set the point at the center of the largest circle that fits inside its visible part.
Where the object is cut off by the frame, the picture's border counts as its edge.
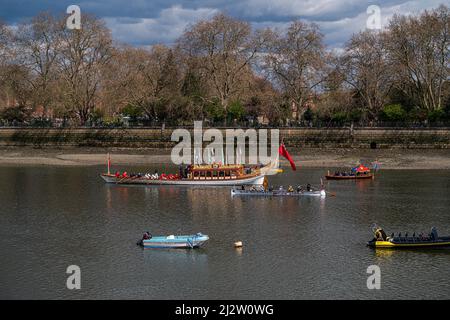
(282, 150)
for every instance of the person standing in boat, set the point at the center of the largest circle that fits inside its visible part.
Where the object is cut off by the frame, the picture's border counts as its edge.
(181, 171)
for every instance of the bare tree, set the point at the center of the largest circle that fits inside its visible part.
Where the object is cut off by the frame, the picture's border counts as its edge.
(82, 55)
(129, 88)
(296, 61)
(225, 48)
(149, 79)
(419, 47)
(15, 89)
(37, 49)
(336, 95)
(365, 68)
(220, 67)
(5, 38)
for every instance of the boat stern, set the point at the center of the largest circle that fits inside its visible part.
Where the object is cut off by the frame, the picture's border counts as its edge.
(108, 178)
(200, 239)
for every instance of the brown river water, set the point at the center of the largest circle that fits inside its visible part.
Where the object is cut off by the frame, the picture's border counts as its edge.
(294, 248)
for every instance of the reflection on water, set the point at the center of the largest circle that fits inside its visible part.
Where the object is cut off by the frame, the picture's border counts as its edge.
(294, 248)
(383, 253)
(197, 258)
(239, 251)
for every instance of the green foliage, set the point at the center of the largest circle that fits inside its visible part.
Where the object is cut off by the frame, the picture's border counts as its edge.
(97, 115)
(397, 96)
(437, 115)
(339, 117)
(215, 111)
(132, 111)
(236, 111)
(113, 122)
(417, 114)
(42, 123)
(308, 115)
(18, 114)
(355, 115)
(393, 112)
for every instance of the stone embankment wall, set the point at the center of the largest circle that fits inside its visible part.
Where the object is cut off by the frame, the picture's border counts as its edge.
(438, 138)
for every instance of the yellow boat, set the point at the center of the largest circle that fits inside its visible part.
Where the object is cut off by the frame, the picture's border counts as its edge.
(431, 240)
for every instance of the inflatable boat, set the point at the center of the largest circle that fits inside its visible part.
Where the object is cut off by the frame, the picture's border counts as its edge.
(381, 240)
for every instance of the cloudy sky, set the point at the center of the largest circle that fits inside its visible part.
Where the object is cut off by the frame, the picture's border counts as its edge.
(146, 22)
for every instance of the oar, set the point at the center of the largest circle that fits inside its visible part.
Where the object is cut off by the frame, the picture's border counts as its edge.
(130, 178)
(332, 194)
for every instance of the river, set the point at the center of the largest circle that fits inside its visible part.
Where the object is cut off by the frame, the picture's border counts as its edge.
(294, 248)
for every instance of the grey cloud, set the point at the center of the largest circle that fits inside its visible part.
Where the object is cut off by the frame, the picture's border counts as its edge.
(141, 22)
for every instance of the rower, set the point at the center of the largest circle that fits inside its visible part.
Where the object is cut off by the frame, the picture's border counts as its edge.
(299, 189)
(308, 187)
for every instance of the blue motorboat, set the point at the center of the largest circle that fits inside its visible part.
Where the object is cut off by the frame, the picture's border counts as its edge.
(179, 242)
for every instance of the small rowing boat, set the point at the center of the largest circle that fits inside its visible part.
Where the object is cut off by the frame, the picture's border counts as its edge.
(357, 173)
(172, 241)
(350, 177)
(278, 193)
(431, 240)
